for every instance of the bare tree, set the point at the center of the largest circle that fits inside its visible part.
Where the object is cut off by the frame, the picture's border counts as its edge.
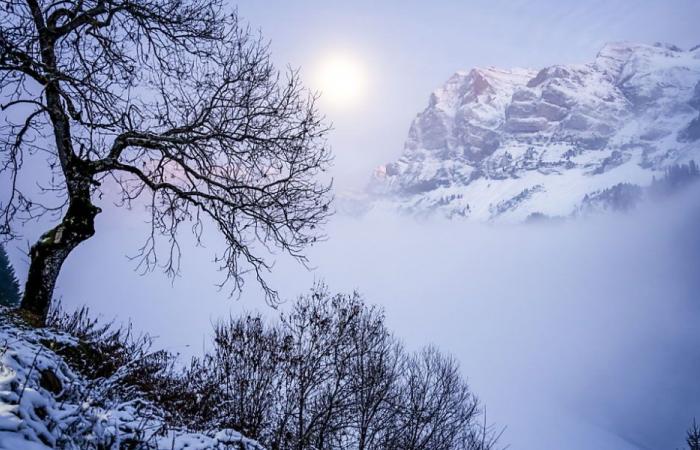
(377, 359)
(173, 103)
(245, 364)
(480, 437)
(317, 330)
(436, 406)
(330, 376)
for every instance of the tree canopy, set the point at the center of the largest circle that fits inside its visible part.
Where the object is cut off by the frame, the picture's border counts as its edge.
(174, 105)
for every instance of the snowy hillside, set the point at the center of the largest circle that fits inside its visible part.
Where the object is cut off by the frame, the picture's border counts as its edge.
(45, 404)
(500, 145)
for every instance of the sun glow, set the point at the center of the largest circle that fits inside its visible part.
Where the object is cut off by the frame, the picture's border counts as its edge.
(341, 80)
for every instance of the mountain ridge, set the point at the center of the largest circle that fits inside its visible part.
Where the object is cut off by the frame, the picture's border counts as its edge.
(501, 144)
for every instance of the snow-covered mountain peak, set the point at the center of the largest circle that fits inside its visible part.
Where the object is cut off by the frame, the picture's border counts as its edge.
(499, 144)
(465, 91)
(613, 56)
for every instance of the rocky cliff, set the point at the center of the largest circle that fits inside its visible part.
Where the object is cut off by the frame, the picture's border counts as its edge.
(501, 145)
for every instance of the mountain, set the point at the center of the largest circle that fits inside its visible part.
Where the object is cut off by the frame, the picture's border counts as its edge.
(506, 144)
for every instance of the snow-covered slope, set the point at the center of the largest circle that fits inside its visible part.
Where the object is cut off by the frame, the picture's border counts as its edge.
(500, 145)
(44, 404)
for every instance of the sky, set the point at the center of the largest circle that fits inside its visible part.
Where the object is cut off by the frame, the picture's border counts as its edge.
(575, 336)
(409, 48)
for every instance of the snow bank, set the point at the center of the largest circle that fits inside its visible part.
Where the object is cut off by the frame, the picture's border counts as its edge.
(46, 404)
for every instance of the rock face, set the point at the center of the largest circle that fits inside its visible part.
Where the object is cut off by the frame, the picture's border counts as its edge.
(500, 145)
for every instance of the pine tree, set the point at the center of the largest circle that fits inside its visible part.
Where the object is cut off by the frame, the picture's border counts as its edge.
(9, 286)
(693, 437)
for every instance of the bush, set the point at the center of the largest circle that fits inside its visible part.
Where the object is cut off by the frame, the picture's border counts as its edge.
(120, 364)
(327, 375)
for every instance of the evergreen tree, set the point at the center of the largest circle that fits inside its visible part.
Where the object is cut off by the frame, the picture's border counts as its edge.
(9, 286)
(693, 437)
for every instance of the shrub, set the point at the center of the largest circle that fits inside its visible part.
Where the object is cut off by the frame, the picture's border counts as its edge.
(327, 375)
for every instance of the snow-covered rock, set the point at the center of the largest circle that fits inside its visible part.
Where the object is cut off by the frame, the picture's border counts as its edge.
(500, 145)
(45, 404)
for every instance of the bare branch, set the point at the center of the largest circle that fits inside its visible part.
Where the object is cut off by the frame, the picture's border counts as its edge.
(178, 106)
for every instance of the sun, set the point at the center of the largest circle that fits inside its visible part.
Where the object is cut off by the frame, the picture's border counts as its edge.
(341, 80)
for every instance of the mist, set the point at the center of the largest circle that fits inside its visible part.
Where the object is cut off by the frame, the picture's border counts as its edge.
(577, 334)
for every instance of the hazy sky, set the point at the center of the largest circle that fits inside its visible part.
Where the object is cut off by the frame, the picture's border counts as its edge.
(577, 337)
(411, 47)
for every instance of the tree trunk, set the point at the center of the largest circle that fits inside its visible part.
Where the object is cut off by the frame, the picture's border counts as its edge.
(52, 249)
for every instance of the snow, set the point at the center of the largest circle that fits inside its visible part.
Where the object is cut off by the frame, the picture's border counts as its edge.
(490, 135)
(78, 417)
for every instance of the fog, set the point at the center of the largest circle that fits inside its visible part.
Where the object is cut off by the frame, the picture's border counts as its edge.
(575, 335)
(580, 335)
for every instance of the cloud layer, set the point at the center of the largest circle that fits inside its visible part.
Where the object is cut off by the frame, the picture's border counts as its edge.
(575, 335)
